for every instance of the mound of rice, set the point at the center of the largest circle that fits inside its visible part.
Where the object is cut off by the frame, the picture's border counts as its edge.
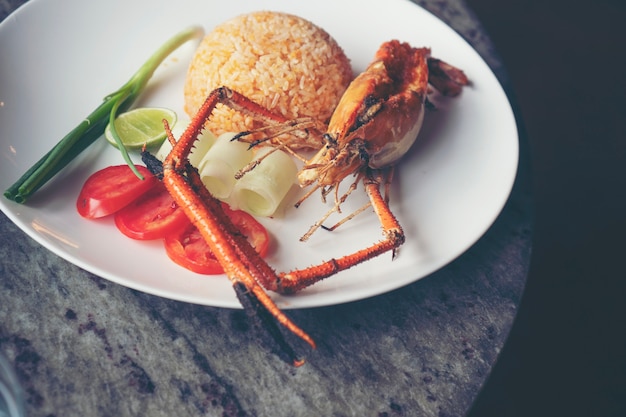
(281, 61)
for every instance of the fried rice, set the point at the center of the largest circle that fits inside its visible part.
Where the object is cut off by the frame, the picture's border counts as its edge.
(281, 61)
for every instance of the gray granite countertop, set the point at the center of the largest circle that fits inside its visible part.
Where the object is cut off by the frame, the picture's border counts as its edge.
(82, 345)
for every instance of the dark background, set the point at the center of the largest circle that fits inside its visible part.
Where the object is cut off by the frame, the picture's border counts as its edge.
(566, 355)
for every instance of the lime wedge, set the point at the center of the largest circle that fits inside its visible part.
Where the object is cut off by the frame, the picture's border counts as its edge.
(141, 126)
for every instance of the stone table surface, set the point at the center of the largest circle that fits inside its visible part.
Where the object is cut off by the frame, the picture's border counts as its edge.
(82, 345)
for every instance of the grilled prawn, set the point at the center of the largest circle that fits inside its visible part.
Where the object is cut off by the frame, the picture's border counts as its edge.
(375, 123)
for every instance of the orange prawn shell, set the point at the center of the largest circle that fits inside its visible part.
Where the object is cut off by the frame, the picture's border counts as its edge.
(380, 113)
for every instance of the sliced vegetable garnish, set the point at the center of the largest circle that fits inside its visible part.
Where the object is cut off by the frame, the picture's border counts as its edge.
(250, 227)
(220, 164)
(189, 249)
(112, 188)
(153, 215)
(141, 127)
(206, 139)
(144, 210)
(261, 190)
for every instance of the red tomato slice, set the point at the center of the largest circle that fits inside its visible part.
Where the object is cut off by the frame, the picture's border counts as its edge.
(254, 231)
(153, 215)
(188, 248)
(108, 190)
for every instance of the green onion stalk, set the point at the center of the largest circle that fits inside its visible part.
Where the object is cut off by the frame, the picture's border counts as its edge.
(93, 126)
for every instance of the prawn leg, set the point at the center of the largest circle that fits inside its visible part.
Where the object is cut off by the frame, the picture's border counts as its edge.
(241, 263)
(296, 280)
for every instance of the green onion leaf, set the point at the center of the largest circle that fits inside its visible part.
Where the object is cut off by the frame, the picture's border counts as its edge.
(92, 127)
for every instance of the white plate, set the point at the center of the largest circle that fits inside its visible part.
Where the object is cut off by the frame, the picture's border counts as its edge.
(58, 58)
